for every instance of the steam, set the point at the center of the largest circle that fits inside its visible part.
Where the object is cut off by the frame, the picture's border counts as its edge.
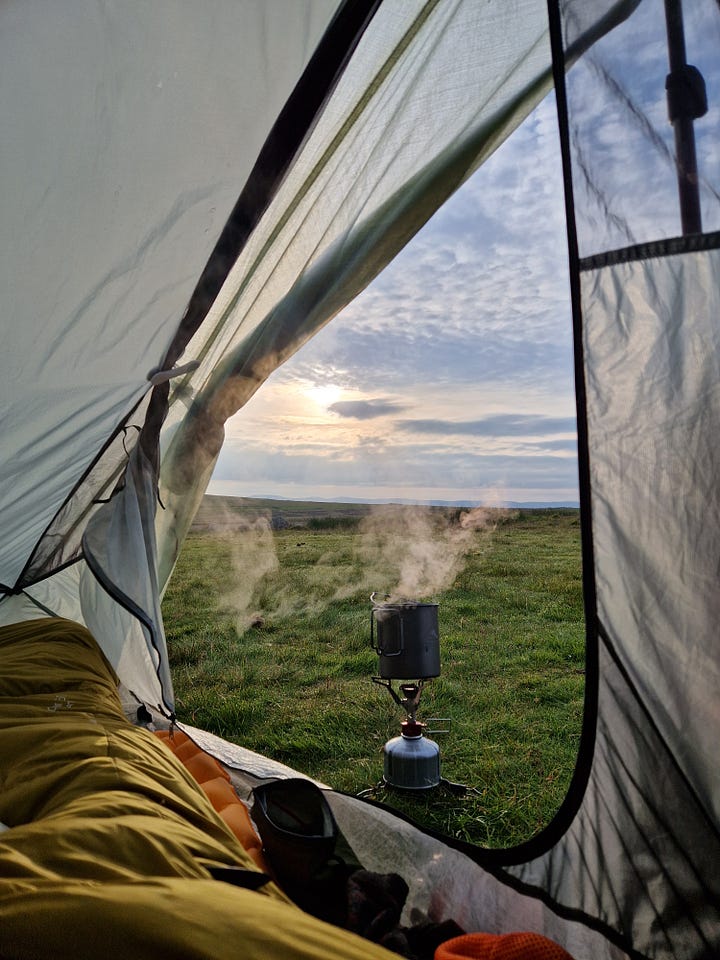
(252, 559)
(404, 552)
(416, 552)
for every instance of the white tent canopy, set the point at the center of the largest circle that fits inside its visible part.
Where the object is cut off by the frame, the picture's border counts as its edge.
(191, 191)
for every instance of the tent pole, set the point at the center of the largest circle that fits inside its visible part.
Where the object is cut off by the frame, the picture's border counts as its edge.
(687, 101)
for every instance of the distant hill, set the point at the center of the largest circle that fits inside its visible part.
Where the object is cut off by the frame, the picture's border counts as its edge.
(226, 512)
(352, 501)
(543, 505)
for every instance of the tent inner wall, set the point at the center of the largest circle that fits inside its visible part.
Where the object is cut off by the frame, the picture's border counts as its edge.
(641, 853)
(124, 162)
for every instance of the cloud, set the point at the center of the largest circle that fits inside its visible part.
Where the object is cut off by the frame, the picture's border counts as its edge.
(365, 409)
(480, 296)
(392, 463)
(438, 359)
(500, 425)
(568, 445)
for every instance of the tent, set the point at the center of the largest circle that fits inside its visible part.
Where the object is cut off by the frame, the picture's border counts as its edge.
(191, 191)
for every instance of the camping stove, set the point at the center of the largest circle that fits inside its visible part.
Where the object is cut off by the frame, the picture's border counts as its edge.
(406, 638)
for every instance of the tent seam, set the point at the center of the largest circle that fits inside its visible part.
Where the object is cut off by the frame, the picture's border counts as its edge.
(244, 218)
(652, 250)
(121, 427)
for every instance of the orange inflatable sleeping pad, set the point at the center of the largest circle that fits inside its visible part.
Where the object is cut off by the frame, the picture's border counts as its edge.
(219, 790)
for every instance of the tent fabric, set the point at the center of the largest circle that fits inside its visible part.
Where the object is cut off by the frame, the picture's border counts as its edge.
(137, 134)
(123, 528)
(123, 165)
(666, 474)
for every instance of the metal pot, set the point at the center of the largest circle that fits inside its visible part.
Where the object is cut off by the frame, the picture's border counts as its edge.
(408, 639)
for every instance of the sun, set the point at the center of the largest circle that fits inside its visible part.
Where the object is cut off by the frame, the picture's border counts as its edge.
(323, 394)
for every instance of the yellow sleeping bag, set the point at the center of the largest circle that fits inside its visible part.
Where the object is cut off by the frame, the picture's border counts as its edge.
(111, 840)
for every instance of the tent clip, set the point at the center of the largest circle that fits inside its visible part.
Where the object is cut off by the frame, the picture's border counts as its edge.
(157, 376)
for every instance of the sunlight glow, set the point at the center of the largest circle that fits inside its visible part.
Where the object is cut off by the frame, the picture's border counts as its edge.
(323, 394)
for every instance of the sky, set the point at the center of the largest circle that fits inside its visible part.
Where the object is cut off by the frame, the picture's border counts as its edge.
(451, 377)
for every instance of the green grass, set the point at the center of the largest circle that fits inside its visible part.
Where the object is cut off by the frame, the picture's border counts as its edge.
(296, 685)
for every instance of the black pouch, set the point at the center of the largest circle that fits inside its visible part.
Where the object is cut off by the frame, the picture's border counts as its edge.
(296, 826)
(309, 858)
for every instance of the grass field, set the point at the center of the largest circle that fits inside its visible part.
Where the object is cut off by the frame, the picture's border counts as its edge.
(269, 644)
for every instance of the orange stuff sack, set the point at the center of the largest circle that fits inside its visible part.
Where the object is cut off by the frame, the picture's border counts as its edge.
(219, 790)
(508, 946)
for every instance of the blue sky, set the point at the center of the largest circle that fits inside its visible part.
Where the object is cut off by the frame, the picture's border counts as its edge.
(451, 376)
